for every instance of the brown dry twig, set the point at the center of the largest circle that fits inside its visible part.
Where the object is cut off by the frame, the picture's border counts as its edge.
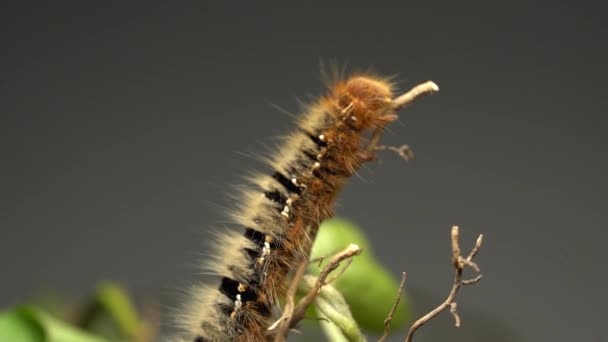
(389, 318)
(282, 324)
(335, 261)
(404, 151)
(460, 263)
(399, 102)
(290, 319)
(290, 295)
(404, 100)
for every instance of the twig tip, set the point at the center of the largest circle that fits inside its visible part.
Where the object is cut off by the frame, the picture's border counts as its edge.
(433, 85)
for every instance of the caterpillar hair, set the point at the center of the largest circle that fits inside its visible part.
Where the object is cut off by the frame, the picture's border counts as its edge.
(280, 212)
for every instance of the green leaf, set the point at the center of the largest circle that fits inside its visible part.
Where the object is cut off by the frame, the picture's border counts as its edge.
(368, 287)
(115, 301)
(14, 326)
(335, 235)
(31, 324)
(331, 305)
(111, 314)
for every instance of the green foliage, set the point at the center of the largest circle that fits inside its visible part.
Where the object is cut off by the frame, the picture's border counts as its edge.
(112, 314)
(108, 316)
(331, 305)
(31, 324)
(367, 286)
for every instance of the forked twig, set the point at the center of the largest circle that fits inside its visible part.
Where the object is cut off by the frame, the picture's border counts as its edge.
(335, 261)
(290, 319)
(399, 102)
(289, 297)
(459, 264)
(403, 151)
(282, 324)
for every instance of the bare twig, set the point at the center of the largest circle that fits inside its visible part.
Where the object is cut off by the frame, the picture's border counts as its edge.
(454, 312)
(283, 322)
(389, 318)
(300, 309)
(289, 298)
(340, 272)
(459, 264)
(399, 102)
(404, 100)
(291, 316)
(318, 260)
(404, 151)
(335, 261)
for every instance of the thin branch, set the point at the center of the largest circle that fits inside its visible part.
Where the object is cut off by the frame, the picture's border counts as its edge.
(283, 322)
(291, 316)
(475, 249)
(459, 264)
(404, 151)
(389, 318)
(289, 298)
(318, 260)
(454, 312)
(472, 281)
(399, 102)
(340, 272)
(334, 263)
(404, 100)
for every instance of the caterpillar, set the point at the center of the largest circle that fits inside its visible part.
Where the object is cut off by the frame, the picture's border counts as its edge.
(280, 212)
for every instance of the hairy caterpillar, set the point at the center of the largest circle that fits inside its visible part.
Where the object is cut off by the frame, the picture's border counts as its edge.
(281, 211)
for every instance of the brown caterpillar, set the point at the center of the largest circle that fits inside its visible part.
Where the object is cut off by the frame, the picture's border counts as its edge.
(281, 211)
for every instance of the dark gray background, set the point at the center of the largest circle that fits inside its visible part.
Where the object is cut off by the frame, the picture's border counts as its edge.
(120, 126)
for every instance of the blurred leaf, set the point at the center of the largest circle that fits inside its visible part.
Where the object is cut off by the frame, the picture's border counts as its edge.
(331, 331)
(111, 314)
(367, 286)
(50, 302)
(335, 235)
(30, 324)
(14, 326)
(118, 305)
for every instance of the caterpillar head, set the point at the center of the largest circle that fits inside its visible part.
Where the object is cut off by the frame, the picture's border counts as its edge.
(365, 102)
